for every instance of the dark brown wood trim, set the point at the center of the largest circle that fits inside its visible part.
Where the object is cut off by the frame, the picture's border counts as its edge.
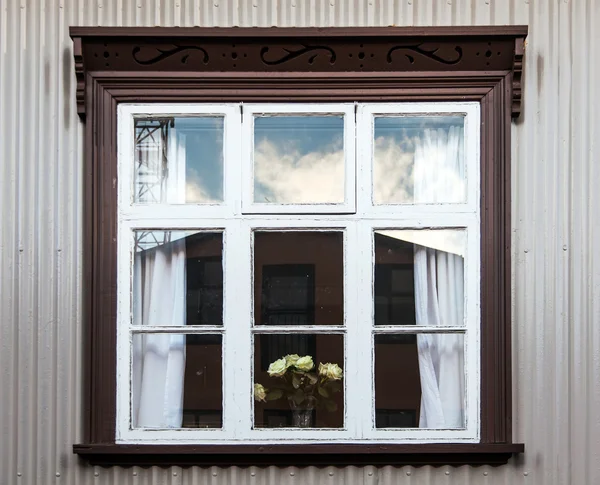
(298, 455)
(105, 89)
(476, 50)
(100, 262)
(517, 74)
(248, 33)
(495, 267)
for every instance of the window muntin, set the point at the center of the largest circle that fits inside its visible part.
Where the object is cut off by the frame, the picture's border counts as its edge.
(359, 230)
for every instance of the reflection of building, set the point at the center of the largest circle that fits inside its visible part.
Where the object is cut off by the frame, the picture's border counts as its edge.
(299, 281)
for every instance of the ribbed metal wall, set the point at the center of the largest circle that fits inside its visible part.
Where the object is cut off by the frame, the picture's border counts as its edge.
(556, 229)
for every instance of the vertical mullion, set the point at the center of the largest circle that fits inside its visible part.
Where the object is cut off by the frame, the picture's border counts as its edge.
(246, 159)
(472, 156)
(352, 421)
(233, 156)
(125, 256)
(125, 251)
(364, 162)
(350, 160)
(237, 350)
(234, 317)
(359, 337)
(364, 269)
(472, 325)
(125, 157)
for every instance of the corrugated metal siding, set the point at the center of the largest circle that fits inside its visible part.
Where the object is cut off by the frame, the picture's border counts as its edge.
(556, 175)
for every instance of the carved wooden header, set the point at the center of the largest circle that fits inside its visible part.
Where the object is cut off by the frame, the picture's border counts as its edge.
(480, 51)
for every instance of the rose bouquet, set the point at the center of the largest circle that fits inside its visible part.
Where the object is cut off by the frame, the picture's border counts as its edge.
(304, 387)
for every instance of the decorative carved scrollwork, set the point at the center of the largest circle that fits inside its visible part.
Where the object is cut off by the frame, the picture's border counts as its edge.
(429, 53)
(291, 54)
(164, 54)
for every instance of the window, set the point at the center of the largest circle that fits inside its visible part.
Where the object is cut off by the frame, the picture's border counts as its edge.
(298, 252)
(374, 274)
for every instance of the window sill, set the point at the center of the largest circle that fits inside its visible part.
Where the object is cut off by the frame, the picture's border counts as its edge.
(298, 455)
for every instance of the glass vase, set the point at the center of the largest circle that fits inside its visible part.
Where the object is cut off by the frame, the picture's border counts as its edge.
(302, 415)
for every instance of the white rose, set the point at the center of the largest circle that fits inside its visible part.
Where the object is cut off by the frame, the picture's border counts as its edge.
(260, 393)
(330, 371)
(277, 368)
(305, 363)
(291, 359)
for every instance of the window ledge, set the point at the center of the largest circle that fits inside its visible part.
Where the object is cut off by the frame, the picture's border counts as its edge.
(298, 455)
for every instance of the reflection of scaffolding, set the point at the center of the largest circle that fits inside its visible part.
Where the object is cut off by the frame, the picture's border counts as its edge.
(152, 172)
(150, 239)
(151, 158)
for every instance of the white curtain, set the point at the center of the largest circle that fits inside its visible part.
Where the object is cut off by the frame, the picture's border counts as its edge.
(439, 168)
(439, 284)
(159, 359)
(159, 300)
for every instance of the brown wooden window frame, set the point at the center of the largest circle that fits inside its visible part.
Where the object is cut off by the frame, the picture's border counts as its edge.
(119, 65)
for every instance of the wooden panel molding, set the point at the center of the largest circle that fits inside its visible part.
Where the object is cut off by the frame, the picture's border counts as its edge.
(485, 50)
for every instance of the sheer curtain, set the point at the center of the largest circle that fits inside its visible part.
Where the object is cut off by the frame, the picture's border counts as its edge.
(159, 299)
(439, 283)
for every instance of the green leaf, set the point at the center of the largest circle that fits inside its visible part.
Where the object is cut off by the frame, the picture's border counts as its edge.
(335, 386)
(323, 392)
(274, 394)
(330, 406)
(312, 378)
(295, 381)
(298, 397)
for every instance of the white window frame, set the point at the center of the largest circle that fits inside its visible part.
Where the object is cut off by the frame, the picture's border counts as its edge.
(237, 226)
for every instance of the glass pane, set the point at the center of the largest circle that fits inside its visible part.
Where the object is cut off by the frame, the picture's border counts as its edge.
(298, 381)
(177, 381)
(178, 278)
(419, 159)
(419, 277)
(419, 381)
(299, 159)
(178, 160)
(298, 278)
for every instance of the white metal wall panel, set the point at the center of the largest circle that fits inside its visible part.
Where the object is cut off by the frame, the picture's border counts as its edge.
(556, 229)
